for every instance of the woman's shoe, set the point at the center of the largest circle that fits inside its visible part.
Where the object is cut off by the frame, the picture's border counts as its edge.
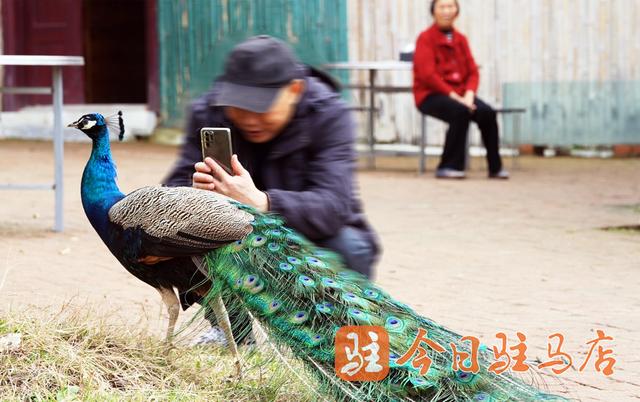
(447, 173)
(502, 174)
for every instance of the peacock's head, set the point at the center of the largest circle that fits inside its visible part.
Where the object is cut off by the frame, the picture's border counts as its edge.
(94, 124)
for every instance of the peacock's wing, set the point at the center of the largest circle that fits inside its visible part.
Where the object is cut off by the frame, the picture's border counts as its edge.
(179, 221)
(303, 295)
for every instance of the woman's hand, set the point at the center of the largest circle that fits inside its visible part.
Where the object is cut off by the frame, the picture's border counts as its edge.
(210, 176)
(467, 99)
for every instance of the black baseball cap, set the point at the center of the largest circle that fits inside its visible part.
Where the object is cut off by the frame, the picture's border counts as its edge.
(255, 71)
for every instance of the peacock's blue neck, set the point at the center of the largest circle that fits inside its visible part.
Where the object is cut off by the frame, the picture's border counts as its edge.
(99, 190)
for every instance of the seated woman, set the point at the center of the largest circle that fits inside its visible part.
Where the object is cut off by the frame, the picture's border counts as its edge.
(445, 81)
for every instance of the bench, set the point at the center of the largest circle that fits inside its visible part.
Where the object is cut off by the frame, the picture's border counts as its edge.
(517, 112)
(373, 67)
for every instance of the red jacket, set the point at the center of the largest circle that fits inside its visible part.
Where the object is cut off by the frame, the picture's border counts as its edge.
(440, 66)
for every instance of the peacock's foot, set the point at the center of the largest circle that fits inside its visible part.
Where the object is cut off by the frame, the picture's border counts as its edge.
(168, 346)
(237, 376)
(238, 370)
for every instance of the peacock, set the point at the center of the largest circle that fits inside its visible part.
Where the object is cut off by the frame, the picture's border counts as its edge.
(98, 194)
(300, 294)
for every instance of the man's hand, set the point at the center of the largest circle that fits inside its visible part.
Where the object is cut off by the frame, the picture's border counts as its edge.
(210, 176)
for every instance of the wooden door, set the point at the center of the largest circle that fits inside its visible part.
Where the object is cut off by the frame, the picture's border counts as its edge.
(42, 27)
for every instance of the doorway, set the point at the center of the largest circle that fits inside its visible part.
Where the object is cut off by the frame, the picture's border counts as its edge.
(115, 51)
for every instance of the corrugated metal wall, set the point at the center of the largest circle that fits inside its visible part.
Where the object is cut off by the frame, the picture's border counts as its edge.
(195, 36)
(578, 113)
(553, 53)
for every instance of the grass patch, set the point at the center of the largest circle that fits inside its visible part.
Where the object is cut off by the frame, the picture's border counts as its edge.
(77, 355)
(627, 229)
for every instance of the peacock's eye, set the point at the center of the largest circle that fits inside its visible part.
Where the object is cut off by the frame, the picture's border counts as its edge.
(87, 123)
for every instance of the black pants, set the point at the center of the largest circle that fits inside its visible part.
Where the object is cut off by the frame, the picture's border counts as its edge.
(458, 116)
(356, 250)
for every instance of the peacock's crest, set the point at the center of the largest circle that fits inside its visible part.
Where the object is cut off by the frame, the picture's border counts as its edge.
(95, 124)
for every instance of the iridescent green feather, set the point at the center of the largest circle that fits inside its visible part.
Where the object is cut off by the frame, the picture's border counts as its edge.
(302, 295)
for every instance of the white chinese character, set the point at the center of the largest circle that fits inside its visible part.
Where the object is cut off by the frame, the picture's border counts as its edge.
(352, 367)
(372, 359)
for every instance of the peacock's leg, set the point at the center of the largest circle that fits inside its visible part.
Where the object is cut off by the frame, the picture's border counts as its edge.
(170, 300)
(222, 317)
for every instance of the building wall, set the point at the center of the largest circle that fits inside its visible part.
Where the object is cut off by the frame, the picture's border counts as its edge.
(559, 58)
(195, 36)
(574, 64)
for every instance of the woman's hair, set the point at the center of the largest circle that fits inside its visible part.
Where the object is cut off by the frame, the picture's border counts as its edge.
(433, 6)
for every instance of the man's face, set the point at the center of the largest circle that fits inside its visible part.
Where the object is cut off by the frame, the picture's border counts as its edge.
(263, 127)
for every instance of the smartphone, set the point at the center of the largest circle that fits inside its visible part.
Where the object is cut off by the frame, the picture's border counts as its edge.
(216, 144)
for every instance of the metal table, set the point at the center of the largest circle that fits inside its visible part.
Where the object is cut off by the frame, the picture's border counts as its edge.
(373, 67)
(56, 90)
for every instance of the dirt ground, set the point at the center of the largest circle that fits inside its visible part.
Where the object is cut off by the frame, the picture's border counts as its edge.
(478, 256)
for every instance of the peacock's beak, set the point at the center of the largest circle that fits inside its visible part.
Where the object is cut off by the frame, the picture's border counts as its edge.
(74, 124)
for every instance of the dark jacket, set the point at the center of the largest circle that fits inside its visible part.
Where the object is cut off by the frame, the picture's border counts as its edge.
(308, 172)
(441, 66)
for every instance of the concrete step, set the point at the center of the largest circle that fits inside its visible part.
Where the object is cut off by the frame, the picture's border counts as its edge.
(408, 149)
(36, 122)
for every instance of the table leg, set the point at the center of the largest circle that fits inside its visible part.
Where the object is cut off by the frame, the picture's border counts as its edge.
(372, 156)
(423, 143)
(516, 140)
(58, 148)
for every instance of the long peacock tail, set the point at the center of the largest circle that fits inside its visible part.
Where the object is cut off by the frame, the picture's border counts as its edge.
(302, 295)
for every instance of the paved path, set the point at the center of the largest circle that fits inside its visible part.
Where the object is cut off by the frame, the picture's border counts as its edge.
(478, 256)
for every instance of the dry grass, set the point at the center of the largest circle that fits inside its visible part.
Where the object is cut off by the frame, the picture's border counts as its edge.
(78, 355)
